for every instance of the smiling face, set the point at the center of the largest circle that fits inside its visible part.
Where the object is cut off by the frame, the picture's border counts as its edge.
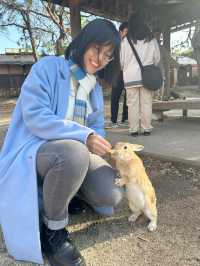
(97, 57)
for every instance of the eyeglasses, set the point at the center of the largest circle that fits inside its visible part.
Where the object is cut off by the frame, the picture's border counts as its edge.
(98, 51)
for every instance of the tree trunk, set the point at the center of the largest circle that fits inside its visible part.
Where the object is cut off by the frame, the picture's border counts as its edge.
(60, 44)
(75, 17)
(197, 55)
(166, 61)
(196, 46)
(29, 29)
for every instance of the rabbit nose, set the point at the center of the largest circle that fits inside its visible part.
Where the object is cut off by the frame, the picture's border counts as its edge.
(111, 151)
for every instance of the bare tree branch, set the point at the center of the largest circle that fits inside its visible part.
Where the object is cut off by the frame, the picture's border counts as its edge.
(43, 24)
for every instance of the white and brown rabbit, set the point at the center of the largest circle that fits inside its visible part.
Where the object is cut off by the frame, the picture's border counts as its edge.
(139, 190)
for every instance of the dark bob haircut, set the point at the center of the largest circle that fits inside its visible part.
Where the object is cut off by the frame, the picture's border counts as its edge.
(138, 30)
(100, 32)
(123, 26)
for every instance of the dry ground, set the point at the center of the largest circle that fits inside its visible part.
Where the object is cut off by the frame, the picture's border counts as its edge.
(115, 242)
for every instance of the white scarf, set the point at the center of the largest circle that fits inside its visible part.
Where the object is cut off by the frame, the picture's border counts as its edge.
(79, 106)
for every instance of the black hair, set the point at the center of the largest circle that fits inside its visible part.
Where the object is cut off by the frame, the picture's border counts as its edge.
(155, 30)
(123, 26)
(100, 32)
(138, 29)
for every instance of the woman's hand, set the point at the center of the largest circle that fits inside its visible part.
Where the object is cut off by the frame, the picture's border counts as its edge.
(98, 145)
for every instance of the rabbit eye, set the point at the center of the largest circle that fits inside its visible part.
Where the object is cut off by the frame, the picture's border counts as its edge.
(125, 147)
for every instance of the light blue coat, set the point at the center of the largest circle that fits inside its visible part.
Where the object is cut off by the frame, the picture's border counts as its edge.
(37, 118)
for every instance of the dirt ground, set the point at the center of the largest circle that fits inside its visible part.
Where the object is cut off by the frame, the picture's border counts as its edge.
(116, 242)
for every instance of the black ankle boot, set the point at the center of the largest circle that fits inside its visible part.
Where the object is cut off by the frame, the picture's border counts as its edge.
(77, 206)
(59, 248)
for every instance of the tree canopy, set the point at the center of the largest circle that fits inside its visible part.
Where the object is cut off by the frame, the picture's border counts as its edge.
(41, 25)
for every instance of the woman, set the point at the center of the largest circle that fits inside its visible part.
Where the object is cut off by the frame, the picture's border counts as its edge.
(55, 141)
(139, 99)
(118, 88)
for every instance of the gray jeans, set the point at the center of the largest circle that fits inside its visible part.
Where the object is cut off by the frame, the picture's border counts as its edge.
(65, 167)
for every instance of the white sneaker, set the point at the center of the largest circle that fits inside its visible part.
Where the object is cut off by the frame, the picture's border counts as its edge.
(112, 125)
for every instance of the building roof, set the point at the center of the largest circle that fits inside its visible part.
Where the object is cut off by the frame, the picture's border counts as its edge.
(160, 12)
(16, 59)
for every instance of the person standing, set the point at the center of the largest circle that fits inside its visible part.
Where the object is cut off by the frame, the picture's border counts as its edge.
(55, 145)
(118, 89)
(139, 98)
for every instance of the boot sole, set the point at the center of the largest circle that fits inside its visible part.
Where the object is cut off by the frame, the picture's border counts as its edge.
(53, 262)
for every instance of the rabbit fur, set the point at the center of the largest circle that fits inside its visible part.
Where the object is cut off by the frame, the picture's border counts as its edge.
(139, 190)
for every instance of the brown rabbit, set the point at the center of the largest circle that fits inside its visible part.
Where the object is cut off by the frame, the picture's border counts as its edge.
(139, 190)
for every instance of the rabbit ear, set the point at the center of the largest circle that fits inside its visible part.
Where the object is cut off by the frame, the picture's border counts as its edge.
(137, 147)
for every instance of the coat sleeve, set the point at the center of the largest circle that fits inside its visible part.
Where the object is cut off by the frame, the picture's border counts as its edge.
(37, 95)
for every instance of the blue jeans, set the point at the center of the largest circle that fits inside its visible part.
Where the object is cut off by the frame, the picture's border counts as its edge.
(65, 167)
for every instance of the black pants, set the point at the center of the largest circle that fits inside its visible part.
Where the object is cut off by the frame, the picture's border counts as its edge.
(115, 97)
